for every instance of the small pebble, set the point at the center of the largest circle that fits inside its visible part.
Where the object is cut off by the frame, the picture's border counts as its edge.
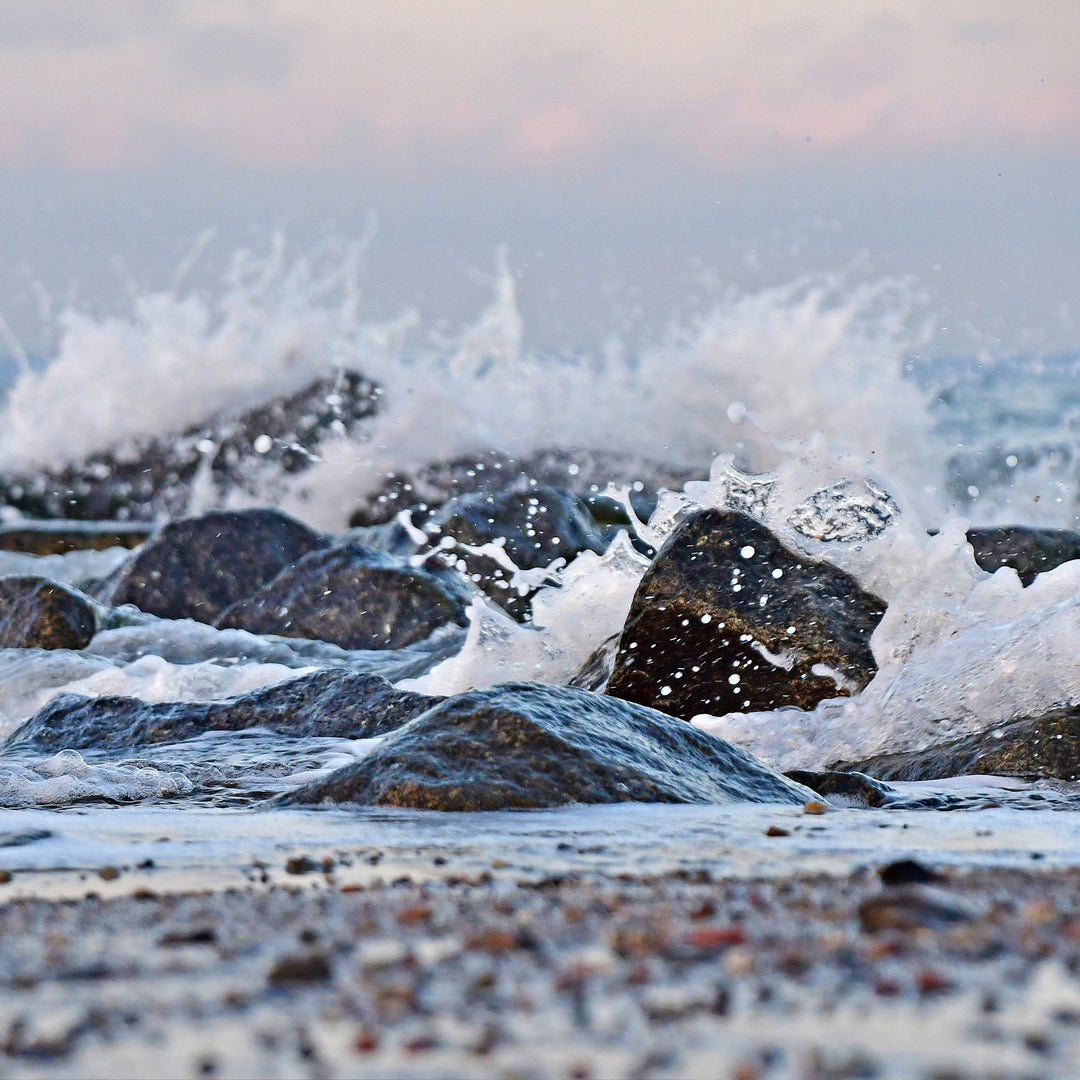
(930, 982)
(420, 1044)
(300, 968)
(714, 938)
(907, 872)
(108, 873)
(775, 830)
(366, 1042)
(814, 807)
(415, 913)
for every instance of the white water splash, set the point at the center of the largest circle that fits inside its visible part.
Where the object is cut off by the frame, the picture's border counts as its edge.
(179, 358)
(820, 353)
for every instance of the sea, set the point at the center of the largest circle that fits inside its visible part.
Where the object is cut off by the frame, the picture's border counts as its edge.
(829, 383)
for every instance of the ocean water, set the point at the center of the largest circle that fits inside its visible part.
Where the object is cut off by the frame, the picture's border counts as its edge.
(823, 405)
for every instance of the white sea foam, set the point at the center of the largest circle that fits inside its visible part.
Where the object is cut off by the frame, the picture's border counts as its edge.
(30, 678)
(152, 678)
(179, 357)
(821, 353)
(65, 778)
(586, 605)
(71, 568)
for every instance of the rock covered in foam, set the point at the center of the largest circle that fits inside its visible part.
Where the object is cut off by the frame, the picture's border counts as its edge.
(334, 703)
(36, 613)
(727, 619)
(152, 478)
(1028, 551)
(526, 745)
(198, 567)
(1034, 748)
(532, 525)
(355, 597)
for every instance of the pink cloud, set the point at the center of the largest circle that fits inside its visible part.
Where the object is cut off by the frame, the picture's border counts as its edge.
(548, 133)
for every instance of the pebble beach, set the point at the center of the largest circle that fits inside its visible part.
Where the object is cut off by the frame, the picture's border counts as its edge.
(972, 974)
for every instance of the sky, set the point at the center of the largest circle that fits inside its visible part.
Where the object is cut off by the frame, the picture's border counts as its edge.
(623, 152)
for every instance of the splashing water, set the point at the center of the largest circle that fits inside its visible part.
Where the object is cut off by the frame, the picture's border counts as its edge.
(817, 354)
(768, 386)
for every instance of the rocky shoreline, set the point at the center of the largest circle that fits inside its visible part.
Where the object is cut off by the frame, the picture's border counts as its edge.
(725, 619)
(225, 926)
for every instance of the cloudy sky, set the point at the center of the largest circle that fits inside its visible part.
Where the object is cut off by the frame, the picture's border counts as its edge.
(623, 141)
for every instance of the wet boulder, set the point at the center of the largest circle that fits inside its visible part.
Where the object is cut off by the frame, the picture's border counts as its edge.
(330, 704)
(36, 613)
(353, 596)
(1032, 748)
(584, 473)
(525, 746)
(728, 619)
(198, 567)
(151, 478)
(530, 526)
(1028, 551)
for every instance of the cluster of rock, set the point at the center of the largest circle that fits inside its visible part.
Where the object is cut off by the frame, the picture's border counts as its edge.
(152, 478)
(725, 619)
(584, 474)
(516, 746)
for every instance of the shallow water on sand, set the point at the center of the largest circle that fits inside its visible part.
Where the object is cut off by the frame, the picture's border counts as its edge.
(159, 848)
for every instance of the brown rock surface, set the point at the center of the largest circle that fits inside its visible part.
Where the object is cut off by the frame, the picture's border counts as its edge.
(728, 619)
(36, 613)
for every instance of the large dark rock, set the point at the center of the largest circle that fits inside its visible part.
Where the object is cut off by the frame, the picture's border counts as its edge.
(196, 568)
(523, 746)
(355, 597)
(1046, 746)
(36, 613)
(1028, 551)
(334, 703)
(152, 478)
(534, 525)
(728, 619)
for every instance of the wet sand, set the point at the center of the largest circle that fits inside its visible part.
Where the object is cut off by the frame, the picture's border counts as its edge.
(308, 973)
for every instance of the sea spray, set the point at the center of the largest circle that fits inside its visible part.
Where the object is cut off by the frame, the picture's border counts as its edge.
(820, 353)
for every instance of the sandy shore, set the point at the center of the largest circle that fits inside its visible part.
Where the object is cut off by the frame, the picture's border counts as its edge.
(974, 975)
